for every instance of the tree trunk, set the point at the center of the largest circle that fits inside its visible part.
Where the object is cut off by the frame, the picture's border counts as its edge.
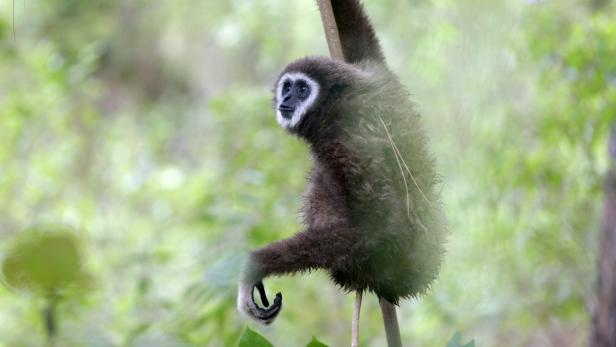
(604, 320)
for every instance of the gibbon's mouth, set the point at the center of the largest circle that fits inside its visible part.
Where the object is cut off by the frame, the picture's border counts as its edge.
(286, 112)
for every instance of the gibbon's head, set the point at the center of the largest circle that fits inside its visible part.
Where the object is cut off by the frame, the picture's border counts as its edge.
(306, 92)
(296, 93)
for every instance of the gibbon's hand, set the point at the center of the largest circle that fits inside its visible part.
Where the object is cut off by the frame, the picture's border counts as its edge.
(247, 305)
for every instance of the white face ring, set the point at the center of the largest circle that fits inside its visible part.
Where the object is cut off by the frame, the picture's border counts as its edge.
(300, 110)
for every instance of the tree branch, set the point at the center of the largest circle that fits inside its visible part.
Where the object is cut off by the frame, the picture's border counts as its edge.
(331, 29)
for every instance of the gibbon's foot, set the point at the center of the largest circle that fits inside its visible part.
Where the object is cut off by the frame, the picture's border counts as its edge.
(249, 307)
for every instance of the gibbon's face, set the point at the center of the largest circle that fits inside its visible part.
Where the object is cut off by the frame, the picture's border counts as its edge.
(295, 95)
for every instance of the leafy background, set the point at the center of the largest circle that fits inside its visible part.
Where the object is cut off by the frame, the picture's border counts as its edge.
(145, 127)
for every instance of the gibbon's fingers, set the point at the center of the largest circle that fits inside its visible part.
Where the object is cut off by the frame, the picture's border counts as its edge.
(264, 315)
(248, 306)
(262, 293)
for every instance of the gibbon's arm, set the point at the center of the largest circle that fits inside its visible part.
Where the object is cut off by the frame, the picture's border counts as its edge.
(304, 251)
(357, 36)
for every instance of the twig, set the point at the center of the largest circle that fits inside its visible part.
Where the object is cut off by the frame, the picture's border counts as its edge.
(399, 158)
(399, 155)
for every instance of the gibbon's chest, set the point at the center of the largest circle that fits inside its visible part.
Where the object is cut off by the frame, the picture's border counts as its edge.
(325, 203)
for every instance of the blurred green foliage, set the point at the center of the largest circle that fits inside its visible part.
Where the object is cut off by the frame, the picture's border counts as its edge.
(46, 262)
(146, 127)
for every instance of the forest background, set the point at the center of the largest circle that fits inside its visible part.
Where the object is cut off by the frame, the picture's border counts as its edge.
(145, 128)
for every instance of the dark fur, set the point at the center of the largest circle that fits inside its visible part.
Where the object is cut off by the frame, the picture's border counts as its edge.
(357, 225)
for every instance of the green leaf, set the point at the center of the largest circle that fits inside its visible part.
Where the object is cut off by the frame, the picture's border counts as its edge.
(252, 339)
(43, 260)
(456, 341)
(316, 343)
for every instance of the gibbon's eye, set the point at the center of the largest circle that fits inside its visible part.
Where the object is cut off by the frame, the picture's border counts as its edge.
(286, 87)
(303, 90)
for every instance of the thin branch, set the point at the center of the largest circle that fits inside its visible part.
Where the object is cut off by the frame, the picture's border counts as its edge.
(399, 155)
(355, 326)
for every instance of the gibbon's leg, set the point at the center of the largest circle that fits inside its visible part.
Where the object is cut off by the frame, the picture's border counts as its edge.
(355, 325)
(391, 323)
(306, 250)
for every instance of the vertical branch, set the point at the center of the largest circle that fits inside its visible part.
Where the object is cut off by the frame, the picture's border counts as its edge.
(392, 331)
(355, 326)
(604, 320)
(331, 29)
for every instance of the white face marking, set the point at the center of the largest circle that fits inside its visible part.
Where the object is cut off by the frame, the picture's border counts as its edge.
(303, 106)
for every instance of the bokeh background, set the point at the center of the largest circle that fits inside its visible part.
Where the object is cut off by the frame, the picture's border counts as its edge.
(146, 128)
